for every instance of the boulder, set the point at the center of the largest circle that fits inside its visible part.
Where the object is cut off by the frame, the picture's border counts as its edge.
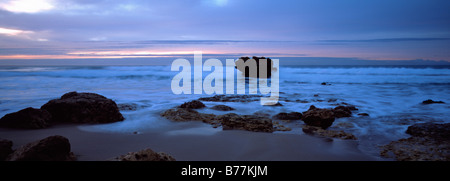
(183, 114)
(145, 155)
(5, 148)
(246, 122)
(429, 101)
(323, 118)
(52, 148)
(288, 116)
(193, 105)
(29, 118)
(317, 131)
(76, 107)
(231, 98)
(222, 108)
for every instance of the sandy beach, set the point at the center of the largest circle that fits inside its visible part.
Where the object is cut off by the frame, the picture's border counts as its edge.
(195, 141)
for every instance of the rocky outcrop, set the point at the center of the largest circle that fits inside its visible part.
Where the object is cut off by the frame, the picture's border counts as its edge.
(5, 148)
(231, 98)
(193, 105)
(317, 131)
(429, 101)
(323, 118)
(53, 148)
(246, 122)
(76, 107)
(428, 142)
(222, 108)
(145, 155)
(183, 114)
(29, 118)
(240, 66)
(288, 116)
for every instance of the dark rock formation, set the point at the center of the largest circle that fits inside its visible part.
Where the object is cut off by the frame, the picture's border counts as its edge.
(276, 104)
(222, 108)
(323, 118)
(231, 98)
(28, 118)
(193, 105)
(288, 116)
(240, 66)
(145, 155)
(83, 108)
(127, 107)
(277, 126)
(342, 111)
(183, 114)
(428, 142)
(5, 148)
(325, 83)
(317, 131)
(53, 148)
(363, 114)
(429, 101)
(431, 130)
(246, 122)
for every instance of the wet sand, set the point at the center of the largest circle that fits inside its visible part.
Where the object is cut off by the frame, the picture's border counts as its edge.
(197, 142)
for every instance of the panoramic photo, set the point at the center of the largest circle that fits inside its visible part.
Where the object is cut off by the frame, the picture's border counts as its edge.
(224, 80)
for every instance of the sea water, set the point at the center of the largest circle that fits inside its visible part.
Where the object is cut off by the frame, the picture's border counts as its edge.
(391, 95)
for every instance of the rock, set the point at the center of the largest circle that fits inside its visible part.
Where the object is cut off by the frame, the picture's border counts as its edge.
(246, 122)
(127, 107)
(277, 104)
(145, 155)
(279, 127)
(428, 142)
(239, 65)
(317, 131)
(325, 83)
(231, 98)
(52, 148)
(29, 118)
(183, 114)
(363, 114)
(5, 149)
(288, 116)
(342, 111)
(429, 101)
(76, 107)
(193, 105)
(316, 95)
(431, 130)
(323, 118)
(222, 108)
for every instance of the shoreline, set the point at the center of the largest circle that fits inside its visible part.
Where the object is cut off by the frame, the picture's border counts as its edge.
(230, 145)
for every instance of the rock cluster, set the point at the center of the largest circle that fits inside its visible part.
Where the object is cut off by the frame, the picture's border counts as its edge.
(428, 142)
(145, 155)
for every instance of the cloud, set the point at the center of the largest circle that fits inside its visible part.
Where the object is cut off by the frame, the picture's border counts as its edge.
(22, 34)
(27, 6)
(384, 40)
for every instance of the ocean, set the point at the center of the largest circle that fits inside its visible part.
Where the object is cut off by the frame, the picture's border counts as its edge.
(391, 95)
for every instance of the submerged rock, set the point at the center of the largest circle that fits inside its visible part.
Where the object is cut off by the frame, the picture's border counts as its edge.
(280, 127)
(428, 142)
(145, 155)
(231, 98)
(246, 122)
(429, 101)
(288, 116)
(127, 107)
(317, 131)
(5, 148)
(29, 118)
(193, 105)
(183, 114)
(342, 111)
(52, 148)
(323, 118)
(222, 108)
(76, 107)
(363, 114)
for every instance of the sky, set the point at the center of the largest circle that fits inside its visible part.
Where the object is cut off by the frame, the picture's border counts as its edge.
(80, 29)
